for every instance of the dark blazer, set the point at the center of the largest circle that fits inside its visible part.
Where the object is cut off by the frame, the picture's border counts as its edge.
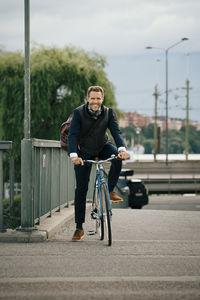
(77, 126)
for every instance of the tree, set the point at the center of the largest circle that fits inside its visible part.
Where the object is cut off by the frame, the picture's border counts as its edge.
(59, 82)
(129, 134)
(176, 139)
(148, 131)
(148, 146)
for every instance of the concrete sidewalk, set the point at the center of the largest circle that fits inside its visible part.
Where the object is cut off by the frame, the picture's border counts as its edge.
(155, 255)
(47, 228)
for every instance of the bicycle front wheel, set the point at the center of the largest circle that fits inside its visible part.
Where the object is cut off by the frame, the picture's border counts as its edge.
(106, 216)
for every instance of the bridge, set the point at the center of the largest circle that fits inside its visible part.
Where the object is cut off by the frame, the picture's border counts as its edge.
(48, 180)
(155, 253)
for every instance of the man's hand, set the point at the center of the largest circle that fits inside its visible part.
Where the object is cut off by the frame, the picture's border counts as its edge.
(123, 155)
(77, 161)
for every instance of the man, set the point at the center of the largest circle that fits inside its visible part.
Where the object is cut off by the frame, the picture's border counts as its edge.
(87, 140)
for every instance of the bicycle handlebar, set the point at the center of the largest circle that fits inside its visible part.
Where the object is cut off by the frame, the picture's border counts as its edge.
(113, 156)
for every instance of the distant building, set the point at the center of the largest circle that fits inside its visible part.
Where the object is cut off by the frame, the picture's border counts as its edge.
(177, 124)
(138, 120)
(123, 123)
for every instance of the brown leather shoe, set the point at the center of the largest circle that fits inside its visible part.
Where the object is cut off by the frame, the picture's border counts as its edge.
(78, 235)
(115, 198)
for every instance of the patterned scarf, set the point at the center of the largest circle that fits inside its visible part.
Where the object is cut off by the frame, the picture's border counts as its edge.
(94, 113)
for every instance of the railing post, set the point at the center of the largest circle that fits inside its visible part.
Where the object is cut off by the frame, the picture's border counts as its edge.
(27, 205)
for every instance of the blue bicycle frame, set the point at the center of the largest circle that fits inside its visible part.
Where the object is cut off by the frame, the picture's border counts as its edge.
(99, 182)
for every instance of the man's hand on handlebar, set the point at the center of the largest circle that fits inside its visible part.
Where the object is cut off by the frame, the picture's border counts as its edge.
(77, 161)
(123, 155)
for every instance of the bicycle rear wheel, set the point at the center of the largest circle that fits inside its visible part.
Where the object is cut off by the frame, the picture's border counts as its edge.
(106, 216)
(99, 220)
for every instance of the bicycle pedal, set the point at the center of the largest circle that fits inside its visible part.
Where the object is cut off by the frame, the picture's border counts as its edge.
(93, 215)
(91, 232)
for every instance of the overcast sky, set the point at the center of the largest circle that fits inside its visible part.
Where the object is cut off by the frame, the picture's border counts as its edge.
(120, 30)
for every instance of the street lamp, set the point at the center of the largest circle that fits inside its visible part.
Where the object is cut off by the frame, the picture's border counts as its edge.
(166, 50)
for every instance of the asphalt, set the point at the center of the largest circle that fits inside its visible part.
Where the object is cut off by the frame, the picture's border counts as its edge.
(155, 255)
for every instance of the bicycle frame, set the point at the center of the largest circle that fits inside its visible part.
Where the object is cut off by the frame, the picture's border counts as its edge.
(99, 181)
(101, 206)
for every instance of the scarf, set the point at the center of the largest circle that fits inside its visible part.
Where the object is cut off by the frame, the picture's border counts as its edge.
(94, 113)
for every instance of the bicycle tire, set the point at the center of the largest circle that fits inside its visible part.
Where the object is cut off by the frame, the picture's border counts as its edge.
(106, 216)
(99, 220)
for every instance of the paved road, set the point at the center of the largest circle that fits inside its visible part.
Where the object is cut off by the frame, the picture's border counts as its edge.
(187, 202)
(155, 255)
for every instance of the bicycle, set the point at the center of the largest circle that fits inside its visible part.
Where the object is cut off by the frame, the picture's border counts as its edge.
(101, 206)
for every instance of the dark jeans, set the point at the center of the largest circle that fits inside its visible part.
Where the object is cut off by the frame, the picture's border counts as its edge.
(83, 175)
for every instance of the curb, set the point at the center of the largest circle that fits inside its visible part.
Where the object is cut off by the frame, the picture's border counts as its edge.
(14, 236)
(48, 227)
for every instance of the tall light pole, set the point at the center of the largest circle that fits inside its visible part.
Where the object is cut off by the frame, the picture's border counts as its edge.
(155, 135)
(27, 111)
(187, 109)
(166, 50)
(27, 216)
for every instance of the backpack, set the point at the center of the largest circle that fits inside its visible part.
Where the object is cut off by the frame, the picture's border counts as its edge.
(64, 132)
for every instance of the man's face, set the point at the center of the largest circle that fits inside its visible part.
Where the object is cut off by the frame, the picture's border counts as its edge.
(95, 99)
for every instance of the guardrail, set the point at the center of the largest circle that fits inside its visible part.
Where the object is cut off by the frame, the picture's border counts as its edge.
(48, 180)
(178, 176)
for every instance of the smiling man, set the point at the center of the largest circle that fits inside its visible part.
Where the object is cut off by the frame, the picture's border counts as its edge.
(88, 140)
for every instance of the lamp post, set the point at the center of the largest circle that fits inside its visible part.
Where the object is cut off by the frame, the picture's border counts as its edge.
(27, 113)
(27, 215)
(138, 130)
(187, 108)
(166, 50)
(155, 135)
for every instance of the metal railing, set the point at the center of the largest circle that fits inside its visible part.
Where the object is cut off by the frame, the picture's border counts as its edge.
(4, 147)
(48, 180)
(53, 180)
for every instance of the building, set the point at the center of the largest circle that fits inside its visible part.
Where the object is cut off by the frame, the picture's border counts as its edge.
(137, 120)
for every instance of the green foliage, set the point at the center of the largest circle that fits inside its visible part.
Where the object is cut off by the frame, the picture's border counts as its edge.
(59, 82)
(11, 99)
(194, 139)
(148, 145)
(129, 133)
(148, 131)
(15, 212)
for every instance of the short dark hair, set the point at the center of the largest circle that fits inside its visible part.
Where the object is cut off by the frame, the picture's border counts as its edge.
(95, 88)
